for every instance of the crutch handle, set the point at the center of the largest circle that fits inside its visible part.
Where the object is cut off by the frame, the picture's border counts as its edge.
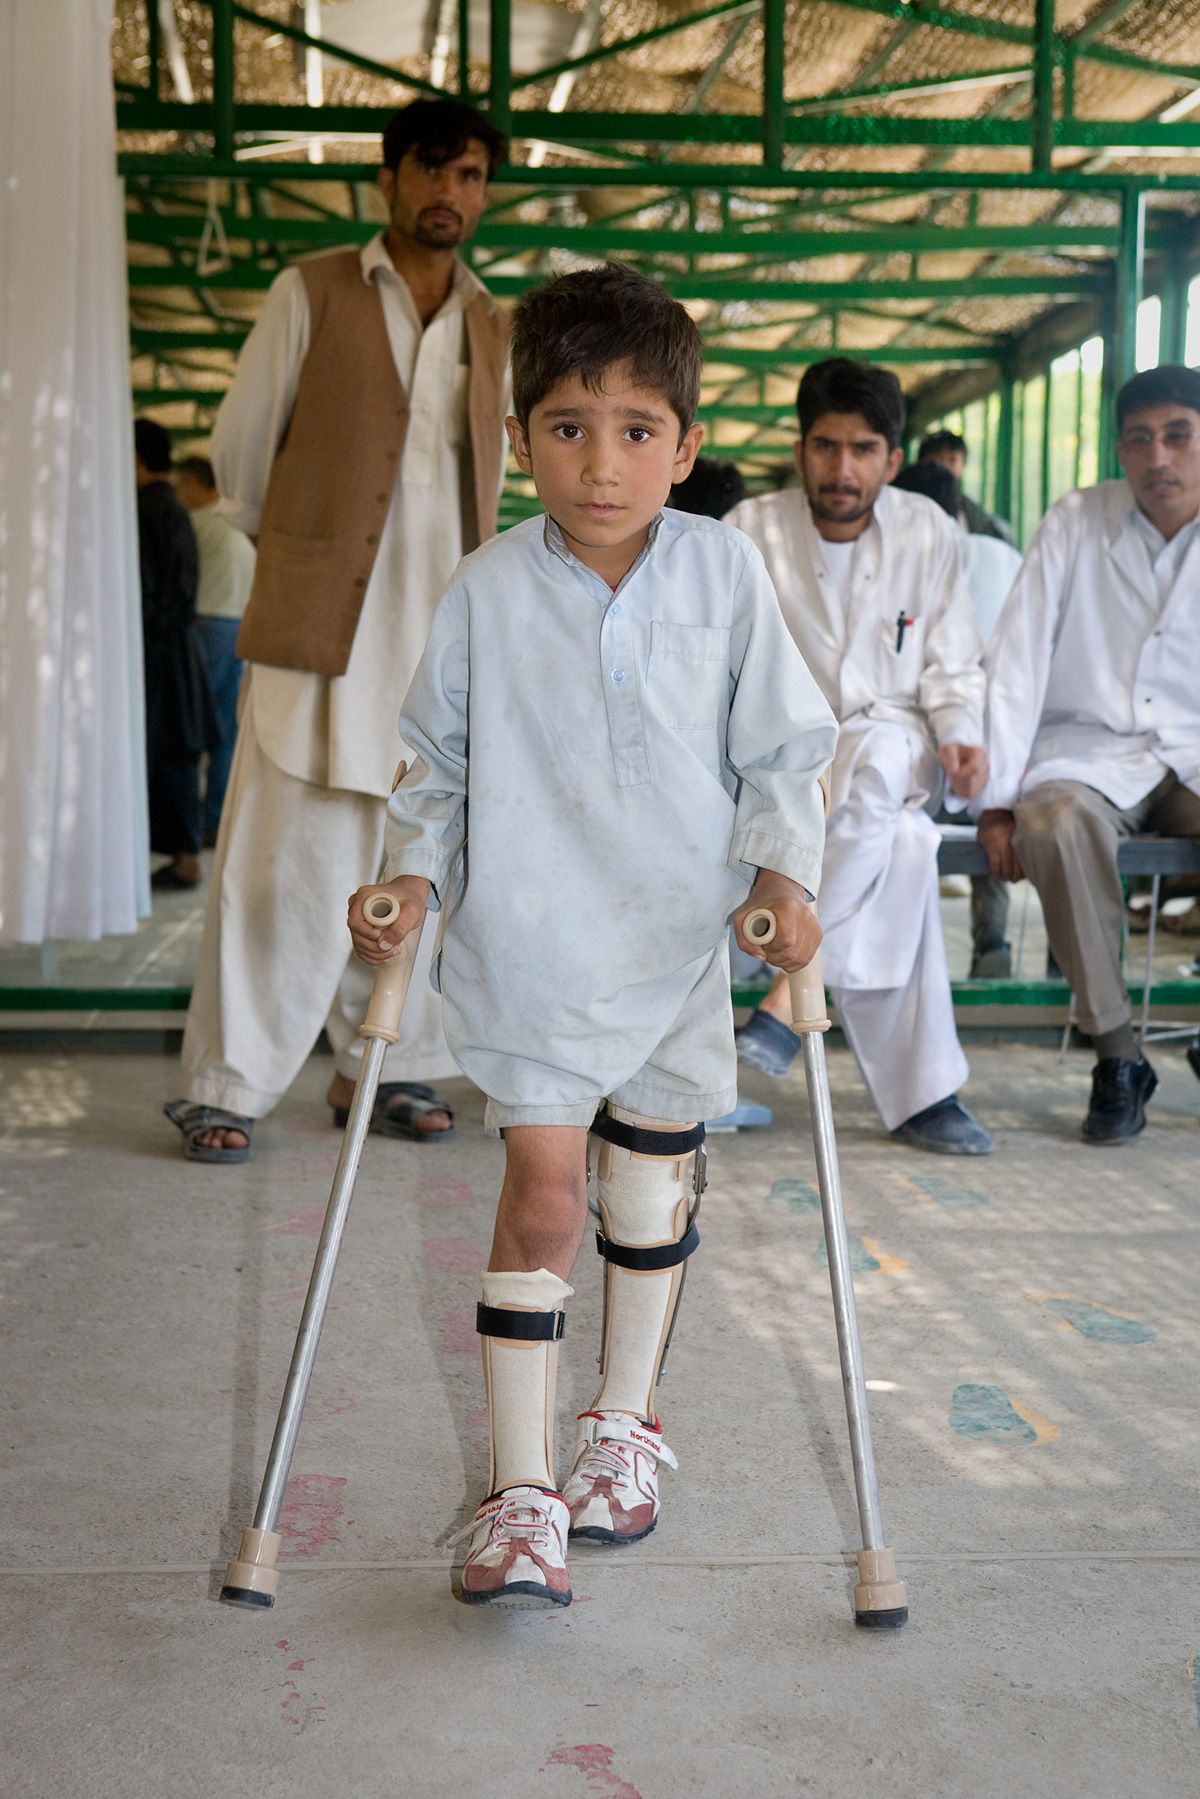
(392, 978)
(809, 1012)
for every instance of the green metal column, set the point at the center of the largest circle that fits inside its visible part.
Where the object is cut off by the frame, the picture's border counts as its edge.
(1131, 256)
(1005, 446)
(1173, 340)
(1047, 423)
(1106, 447)
(154, 46)
(500, 91)
(1042, 142)
(222, 27)
(464, 49)
(773, 63)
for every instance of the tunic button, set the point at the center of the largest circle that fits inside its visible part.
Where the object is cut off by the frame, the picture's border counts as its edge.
(618, 675)
(615, 611)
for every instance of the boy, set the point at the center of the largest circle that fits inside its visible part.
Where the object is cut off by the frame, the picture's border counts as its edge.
(613, 690)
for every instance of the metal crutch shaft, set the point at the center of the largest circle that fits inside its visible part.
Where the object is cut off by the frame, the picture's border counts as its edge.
(880, 1600)
(252, 1578)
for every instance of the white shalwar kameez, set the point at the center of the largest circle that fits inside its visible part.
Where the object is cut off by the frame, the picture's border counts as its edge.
(322, 752)
(887, 627)
(628, 761)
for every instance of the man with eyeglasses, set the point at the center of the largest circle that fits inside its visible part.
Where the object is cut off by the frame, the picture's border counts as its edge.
(1094, 713)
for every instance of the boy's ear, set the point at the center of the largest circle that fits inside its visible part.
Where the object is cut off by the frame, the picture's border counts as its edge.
(686, 454)
(520, 444)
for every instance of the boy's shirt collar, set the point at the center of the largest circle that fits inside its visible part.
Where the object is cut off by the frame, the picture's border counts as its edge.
(556, 543)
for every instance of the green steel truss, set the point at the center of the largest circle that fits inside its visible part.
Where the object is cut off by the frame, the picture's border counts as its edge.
(747, 234)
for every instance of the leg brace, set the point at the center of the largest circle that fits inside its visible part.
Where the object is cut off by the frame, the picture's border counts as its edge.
(649, 1179)
(520, 1320)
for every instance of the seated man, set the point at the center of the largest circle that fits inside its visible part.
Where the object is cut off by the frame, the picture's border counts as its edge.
(871, 585)
(949, 450)
(1094, 718)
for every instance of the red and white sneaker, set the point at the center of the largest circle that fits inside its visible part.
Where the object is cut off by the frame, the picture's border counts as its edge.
(518, 1549)
(612, 1491)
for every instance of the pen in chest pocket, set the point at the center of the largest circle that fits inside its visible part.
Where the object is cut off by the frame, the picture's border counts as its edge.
(903, 624)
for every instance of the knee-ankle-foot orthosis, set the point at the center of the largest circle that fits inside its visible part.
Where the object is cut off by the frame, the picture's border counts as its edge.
(649, 1179)
(520, 1321)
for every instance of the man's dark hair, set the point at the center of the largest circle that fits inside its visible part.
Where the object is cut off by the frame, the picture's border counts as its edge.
(199, 468)
(152, 442)
(1170, 385)
(713, 488)
(591, 320)
(840, 385)
(935, 481)
(438, 131)
(942, 441)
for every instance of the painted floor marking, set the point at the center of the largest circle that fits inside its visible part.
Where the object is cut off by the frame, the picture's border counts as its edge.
(1095, 1322)
(793, 1196)
(988, 1415)
(946, 1193)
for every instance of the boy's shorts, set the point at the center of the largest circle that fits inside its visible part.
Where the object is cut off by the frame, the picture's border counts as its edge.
(692, 1074)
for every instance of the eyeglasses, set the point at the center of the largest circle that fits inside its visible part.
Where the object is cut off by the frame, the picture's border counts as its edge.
(1173, 437)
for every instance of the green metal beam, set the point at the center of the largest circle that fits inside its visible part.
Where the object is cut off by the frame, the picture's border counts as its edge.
(1042, 143)
(910, 90)
(713, 177)
(1108, 15)
(336, 52)
(603, 237)
(248, 276)
(500, 51)
(588, 128)
(223, 77)
(1130, 285)
(774, 72)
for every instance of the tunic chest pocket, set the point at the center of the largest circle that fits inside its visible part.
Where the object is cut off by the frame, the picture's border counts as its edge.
(688, 675)
(901, 652)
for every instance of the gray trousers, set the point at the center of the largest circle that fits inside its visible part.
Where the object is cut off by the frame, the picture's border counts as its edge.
(1066, 840)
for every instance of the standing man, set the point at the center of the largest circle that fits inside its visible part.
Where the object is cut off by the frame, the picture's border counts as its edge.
(180, 723)
(362, 445)
(872, 587)
(1094, 713)
(948, 448)
(226, 577)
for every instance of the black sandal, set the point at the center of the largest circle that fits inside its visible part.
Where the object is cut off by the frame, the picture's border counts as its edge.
(194, 1120)
(400, 1121)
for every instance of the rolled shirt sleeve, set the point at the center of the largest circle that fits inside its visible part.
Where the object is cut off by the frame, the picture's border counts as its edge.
(781, 737)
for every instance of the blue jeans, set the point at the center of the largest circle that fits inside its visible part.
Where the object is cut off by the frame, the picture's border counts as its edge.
(219, 639)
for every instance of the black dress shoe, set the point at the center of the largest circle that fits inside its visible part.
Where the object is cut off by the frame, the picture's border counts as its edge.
(1120, 1089)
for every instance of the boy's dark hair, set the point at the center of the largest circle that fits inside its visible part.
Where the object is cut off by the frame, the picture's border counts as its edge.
(942, 440)
(439, 130)
(152, 442)
(840, 385)
(587, 322)
(1170, 385)
(935, 481)
(713, 488)
(199, 468)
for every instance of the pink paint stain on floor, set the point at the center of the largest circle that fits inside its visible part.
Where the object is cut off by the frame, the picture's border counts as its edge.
(459, 1336)
(311, 1514)
(452, 1255)
(319, 1407)
(299, 1705)
(438, 1195)
(301, 1224)
(293, 1296)
(478, 1420)
(594, 1762)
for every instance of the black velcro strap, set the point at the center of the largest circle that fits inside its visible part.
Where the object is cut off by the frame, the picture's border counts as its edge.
(665, 1255)
(646, 1143)
(529, 1327)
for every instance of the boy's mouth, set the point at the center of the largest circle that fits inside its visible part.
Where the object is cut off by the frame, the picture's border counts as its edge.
(599, 509)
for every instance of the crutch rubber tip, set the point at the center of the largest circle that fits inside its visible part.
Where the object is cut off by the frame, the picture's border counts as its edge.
(246, 1596)
(891, 1620)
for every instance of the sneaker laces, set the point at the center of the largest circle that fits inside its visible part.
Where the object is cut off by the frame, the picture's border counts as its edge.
(535, 1529)
(608, 1449)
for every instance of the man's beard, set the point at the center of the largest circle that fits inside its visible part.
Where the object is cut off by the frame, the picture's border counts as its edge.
(442, 236)
(837, 515)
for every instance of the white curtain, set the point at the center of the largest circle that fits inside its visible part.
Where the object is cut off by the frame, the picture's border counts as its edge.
(73, 826)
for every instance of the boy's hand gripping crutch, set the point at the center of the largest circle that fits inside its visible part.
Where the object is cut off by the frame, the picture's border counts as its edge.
(252, 1578)
(880, 1600)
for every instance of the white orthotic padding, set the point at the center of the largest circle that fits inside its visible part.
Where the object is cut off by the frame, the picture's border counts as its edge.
(644, 1201)
(520, 1380)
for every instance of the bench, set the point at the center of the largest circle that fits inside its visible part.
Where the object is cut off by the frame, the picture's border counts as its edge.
(962, 854)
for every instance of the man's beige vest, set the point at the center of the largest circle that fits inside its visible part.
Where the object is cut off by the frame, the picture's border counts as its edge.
(333, 475)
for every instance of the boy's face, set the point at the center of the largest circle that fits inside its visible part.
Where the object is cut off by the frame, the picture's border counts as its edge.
(603, 465)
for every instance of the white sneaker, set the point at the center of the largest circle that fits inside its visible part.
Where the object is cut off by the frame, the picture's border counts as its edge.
(518, 1549)
(612, 1492)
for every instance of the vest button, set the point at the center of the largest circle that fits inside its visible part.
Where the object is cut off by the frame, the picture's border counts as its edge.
(360, 581)
(372, 539)
(381, 499)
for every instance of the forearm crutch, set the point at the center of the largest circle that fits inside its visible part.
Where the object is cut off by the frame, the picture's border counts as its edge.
(252, 1578)
(880, 1600)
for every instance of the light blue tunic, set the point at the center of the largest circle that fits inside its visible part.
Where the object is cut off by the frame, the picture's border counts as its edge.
(601, 775)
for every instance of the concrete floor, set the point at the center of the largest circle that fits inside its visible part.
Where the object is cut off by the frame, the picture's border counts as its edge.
(1030, 1328)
